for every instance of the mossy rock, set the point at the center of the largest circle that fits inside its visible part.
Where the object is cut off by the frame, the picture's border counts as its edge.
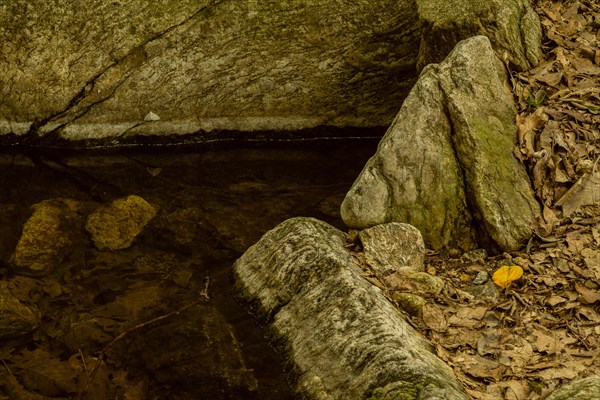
(114, 226)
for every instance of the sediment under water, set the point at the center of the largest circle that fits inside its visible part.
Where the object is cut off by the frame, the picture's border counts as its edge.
(213, 204)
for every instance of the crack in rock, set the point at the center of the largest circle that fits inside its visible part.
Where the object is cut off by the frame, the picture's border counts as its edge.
(102, 86)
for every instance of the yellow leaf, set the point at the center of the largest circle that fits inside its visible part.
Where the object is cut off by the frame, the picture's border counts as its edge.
(506, 275)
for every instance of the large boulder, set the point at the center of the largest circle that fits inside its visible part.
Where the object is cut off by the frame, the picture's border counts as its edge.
(446, 165)
(342, 337)
(512, 26)
(91, 69)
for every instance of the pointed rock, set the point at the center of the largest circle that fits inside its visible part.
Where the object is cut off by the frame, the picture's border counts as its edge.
(446, 164)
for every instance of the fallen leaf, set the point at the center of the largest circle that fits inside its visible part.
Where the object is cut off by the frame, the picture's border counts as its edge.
(480, 367)
(587, 296)
(506, 275)
(434, 318)
(546, 344)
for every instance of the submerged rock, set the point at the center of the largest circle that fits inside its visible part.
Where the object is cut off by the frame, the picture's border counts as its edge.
(16, 318)
(342, 337)
(194, 355)
(446, 165)
(114, 226)
(47, 235)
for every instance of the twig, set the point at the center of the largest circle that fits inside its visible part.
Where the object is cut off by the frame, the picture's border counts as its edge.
(84, 364)
(188, 279)
(204, 291)
(102, 354)
(8, 369)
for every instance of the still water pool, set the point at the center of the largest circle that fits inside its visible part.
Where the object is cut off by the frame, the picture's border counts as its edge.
(168, 299)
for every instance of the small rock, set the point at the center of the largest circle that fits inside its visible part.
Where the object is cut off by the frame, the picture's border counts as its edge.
(481, 278)
(16, 318)
(407, 279)
(151, 117)
(411, 303)
(474, 255)
(114, 226)
(390, 247)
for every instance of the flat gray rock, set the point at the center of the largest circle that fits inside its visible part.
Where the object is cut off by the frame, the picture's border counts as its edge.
(390, 247)
(342, 337)
(446, 165)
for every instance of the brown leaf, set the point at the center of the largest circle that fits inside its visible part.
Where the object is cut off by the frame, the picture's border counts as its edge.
(480, 367)
(587, 296)
(553, 300)
(586, 191)
(434, 318)
(527, 126)
(546, 344)
(584, 66)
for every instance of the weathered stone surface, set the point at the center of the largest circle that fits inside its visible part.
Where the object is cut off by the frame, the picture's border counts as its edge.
(512, 26)
(86, 69)
(45, 237)
(446, 164)
(390, 247)
(580, 389)
(114, 226)
(342, 337)
(16, 318)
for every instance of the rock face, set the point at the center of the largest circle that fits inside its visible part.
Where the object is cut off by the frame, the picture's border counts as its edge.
(580, 389)
(114, 226)
(512, 26)
(88, 69)
(343, 338)
(44, 240)
(91, 69)
(446, 164)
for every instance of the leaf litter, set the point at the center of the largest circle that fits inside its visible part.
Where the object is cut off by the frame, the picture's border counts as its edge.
(522, 340)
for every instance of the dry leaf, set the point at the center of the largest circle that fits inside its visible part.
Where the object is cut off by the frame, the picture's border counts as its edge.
(506, 275)
(546, 344)
(587, 296)
(434, 318)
